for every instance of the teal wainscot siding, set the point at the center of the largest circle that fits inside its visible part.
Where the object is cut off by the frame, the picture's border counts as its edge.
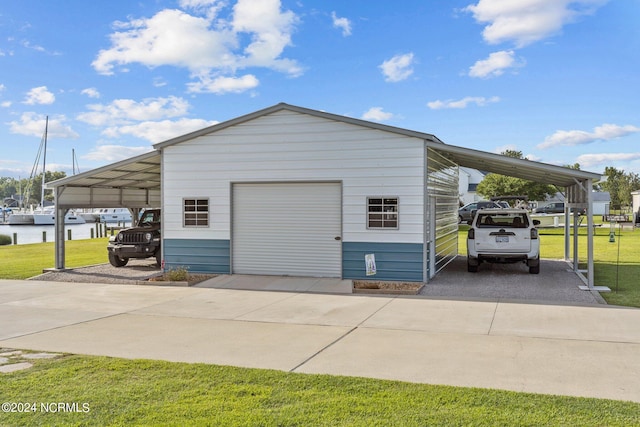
(199, 256)
(394, 261)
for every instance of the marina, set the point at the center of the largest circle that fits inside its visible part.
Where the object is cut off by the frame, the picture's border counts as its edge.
(26, 234)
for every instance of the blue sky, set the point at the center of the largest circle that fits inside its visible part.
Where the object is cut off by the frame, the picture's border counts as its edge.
(558, 80)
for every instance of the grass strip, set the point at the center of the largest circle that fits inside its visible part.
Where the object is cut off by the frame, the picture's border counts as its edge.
(122, 392)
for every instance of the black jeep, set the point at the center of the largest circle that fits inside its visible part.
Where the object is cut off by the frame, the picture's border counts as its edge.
(141, 241)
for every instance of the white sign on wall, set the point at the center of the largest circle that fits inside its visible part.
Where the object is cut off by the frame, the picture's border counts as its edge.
(370, 262)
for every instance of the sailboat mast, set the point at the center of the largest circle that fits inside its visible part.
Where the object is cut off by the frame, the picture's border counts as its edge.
(44, 162)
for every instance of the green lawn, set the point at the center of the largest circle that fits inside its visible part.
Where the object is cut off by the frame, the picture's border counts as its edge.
(24, 261)
(123, 392)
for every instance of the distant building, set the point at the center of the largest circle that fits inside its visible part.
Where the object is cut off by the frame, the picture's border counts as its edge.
(468, 180)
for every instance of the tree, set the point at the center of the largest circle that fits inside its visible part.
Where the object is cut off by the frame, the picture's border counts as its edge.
(36, 188)
(495, 185)
(620, 185)
(11, 187)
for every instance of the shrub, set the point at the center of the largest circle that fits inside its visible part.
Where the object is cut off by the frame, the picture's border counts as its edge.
(178, 274)
(5, 240)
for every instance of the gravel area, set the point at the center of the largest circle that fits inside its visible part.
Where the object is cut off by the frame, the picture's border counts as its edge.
(136, 269)
(556, 283)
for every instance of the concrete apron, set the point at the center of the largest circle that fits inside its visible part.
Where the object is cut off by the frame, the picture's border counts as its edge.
(552, 349)
(279, 283)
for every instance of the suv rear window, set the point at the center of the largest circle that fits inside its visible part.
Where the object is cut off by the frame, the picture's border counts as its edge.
(498, 220)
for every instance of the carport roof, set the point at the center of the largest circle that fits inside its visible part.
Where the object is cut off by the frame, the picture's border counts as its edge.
(140, 172)
(509, 166)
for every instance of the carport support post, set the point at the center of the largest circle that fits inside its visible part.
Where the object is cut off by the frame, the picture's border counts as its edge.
(59, 231)
(590, 270)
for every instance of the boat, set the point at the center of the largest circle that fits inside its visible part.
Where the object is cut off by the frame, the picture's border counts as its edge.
(48, 217)
(109, 215)
(19, 218)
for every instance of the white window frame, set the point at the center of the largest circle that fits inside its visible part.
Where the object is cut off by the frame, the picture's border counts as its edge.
(201, 217)
(386, 216)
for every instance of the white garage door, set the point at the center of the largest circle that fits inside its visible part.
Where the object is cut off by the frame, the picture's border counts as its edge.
(287, 229)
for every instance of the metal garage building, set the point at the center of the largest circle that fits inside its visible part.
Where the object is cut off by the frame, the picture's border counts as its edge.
(293, 191)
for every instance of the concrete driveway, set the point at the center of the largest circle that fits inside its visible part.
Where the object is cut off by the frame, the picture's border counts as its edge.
(568, 350)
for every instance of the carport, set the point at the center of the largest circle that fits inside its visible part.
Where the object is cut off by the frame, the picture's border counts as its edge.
(136, 183)
(578, 186)
(133, 183)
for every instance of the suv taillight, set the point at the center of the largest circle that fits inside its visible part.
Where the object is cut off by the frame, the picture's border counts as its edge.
(472, 234)
(534, 233)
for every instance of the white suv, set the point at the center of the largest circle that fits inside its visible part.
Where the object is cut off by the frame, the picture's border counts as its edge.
(503, 235)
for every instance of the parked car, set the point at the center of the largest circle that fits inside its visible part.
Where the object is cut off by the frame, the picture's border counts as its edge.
(141, 241)
(466, 213)
(556, 207)
(503, 235)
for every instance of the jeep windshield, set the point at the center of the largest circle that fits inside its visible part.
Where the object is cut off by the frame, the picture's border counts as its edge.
(148, 219)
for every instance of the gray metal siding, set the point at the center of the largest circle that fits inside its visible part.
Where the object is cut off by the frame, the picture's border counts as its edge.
(443, 202)
(394, 261)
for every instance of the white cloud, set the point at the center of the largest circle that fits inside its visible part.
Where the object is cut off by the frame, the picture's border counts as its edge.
(114, 153)
(32, 124)
(253, 34)
(397, 68)
(526, 21)
(125, 111)
(341, 23)
(579, 137)
(5, 104)
(91, 92)
(222, 85)
(494, 65)
(605, 159)
(39, 95)
(158, 131)
(376, 114)
(480, 101)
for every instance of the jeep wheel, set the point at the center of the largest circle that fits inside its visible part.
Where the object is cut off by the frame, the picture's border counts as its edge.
(116, 261)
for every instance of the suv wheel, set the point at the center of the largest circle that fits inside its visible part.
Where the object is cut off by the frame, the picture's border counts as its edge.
(472, 265)
(116, 261)
(534, 266)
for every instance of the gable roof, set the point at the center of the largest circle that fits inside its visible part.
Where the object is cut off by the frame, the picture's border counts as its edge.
(288, 107)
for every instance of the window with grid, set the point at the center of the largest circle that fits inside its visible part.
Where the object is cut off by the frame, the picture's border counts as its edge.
(195, 212)
(382, 212)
